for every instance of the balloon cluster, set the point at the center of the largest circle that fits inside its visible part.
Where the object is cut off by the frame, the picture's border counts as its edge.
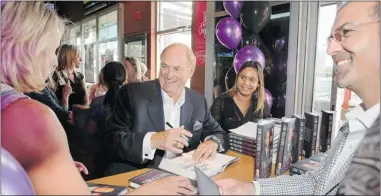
(253, 16)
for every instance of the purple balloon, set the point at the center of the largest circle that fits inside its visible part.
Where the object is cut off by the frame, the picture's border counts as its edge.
(248, 53)
(269, 98)
(279, 44)
(229, 32)
(233, 8)
(14, 180)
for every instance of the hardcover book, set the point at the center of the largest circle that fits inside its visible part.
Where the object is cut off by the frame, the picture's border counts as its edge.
(326, 129)
(297, 138)
(102, 189)
(283, 161)
(310, 134)
(303, 166)
(264, 151)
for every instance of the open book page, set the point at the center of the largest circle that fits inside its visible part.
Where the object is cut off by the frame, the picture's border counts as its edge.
(248, 130)
(184, 165)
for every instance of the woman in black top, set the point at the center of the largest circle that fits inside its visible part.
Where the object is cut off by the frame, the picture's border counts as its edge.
(245, 101)
(65, 76)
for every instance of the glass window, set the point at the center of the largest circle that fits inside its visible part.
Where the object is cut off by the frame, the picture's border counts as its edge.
(108, 26)
(89, 31)
(323, 62)
(167, 39)
(174, 14)
(90, 63)
(135, 49)
(108, 51)
(75, 36)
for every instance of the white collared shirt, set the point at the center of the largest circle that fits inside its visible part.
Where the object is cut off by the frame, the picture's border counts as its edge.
(172, 113)
(359, 121)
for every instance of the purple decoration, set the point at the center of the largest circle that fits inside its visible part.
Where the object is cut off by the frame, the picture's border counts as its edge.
(281, 100)
(233, 8)
(248, 53)
(280, 65)
(269, 98)
(279, 44)
(229, 32)
(14, 180)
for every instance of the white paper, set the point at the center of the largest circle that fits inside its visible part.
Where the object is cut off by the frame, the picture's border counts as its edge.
(248, 130)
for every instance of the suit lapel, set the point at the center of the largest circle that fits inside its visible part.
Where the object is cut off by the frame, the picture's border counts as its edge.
(186, 112)
(155, 109)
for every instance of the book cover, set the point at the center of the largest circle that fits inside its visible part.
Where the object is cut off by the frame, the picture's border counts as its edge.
(102, 189)
(154, 174)
(310, 134)
(283, 161)
(303, 166)
(245, 148)
(241, 143)
(241, 138)
(326, 127)
(297, 138)
(264, 151)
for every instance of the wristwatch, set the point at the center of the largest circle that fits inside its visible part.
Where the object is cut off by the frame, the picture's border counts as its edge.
(216, 140)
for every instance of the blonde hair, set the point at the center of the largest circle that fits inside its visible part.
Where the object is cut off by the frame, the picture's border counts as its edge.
(139, 67)
(67, 54)
(261, 86)
(26, 32)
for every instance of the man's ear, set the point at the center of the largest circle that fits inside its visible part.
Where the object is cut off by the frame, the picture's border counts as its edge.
(192, 70)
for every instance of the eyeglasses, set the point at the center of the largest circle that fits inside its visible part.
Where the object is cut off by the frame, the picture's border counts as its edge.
(341, 32)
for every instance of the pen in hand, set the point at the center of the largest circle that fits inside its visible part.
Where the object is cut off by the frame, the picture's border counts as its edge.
(170, 126)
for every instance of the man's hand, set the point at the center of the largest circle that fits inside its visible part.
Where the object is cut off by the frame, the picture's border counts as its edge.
(173, 140)
(173, 185)
(205, 150)
(235, 187)
(81, 167)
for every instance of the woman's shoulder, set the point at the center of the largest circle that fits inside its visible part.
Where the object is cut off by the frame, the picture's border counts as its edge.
(79, 75)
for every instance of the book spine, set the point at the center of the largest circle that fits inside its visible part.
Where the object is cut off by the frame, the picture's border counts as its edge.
(258, 161)
(315, 130)
(243, 151)
(241, 138)
(280, 153)
(245, 148)
(301, 137)
(296, 171)
(330, 128)
(241, 143)
(308, 137)
(324, 126)
(295, 141)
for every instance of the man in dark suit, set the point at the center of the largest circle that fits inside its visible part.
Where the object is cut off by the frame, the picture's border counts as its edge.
(162, 118)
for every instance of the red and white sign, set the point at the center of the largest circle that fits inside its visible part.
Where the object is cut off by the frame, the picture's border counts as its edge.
(198, 31)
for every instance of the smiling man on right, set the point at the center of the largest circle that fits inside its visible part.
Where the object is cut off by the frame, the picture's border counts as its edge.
(354, 45)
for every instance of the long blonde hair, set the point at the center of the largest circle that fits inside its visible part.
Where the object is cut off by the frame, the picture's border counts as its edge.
(27, 30)
(67, 54)
(139, 67)
(261, 86)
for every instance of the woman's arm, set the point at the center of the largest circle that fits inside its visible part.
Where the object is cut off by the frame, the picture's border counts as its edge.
(33, 135)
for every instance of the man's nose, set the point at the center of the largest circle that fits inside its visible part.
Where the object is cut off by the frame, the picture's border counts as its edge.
(334, 47)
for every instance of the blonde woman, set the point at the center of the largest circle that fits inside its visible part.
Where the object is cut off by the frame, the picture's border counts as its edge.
(136, 70)
(245, 101)
(30, 131)
(66, 79)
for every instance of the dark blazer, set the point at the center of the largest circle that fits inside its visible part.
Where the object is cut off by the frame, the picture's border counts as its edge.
(227, 114)
(139, 109)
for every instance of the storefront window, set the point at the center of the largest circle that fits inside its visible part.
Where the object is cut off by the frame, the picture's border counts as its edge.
(108, 26)
(89, 31)
(135, 49)
(174, 14)
(108, 52)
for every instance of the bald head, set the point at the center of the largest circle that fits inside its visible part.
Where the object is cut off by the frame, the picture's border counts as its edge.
(373, 8)
(181, 50)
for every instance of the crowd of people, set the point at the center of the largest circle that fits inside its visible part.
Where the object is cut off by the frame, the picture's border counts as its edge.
(134, 122)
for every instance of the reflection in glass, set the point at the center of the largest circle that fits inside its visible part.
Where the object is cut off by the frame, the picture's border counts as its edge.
(90, 63)
(89, 31)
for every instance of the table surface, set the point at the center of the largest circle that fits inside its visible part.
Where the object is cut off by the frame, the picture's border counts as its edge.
(242, 170)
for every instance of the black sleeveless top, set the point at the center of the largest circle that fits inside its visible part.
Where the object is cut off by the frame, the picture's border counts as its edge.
(78, 95)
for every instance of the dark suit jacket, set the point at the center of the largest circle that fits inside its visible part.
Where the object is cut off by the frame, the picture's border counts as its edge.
(139, 109)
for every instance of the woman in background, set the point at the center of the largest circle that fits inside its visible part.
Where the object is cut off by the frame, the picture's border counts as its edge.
(30, 131)
(65, 76)
(245, 101)
(136, 70)
(99, 88)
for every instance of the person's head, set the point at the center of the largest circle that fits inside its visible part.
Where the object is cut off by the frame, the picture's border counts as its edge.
(135, 69)
(250, 80)
(30, 35)
(178, 64)
(100, 77)
(354, 45)
(114, 76)
(69, 57)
